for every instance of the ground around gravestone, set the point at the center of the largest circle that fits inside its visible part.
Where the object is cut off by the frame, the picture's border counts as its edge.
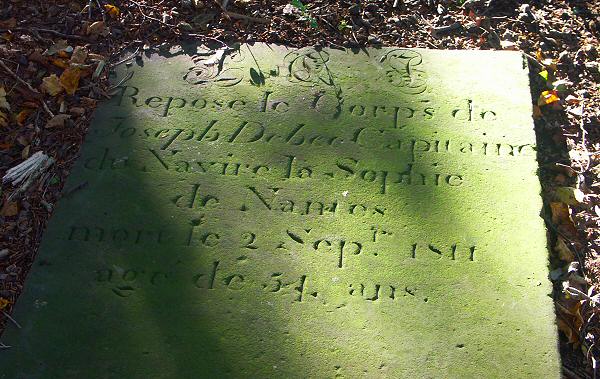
(55, 60)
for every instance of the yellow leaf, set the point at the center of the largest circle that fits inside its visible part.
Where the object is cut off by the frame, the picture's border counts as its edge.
(112, 10)
(569, 195)
(539, 55)
(69, 80)
(548, 97)
(4, 302)
(51, 85)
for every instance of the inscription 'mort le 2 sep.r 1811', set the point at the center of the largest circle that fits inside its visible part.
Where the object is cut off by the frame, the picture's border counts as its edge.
(270, 212)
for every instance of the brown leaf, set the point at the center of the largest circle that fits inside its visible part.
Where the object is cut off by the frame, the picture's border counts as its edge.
(79, 55)
(9, 209)
(22, 116)
(560, 213)
(77, 111)
(3, 119)
(564, 253)
(3, 103)
(58, 121)
(97, 29)
(88, 102)
(7, 24)
(69, 80)
(51, 85)
(59, 45)
(59, 62)
(36, 56)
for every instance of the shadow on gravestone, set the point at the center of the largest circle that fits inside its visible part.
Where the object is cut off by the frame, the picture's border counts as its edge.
(267, 212)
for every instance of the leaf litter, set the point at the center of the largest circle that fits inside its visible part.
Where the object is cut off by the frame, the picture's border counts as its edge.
(54, 59)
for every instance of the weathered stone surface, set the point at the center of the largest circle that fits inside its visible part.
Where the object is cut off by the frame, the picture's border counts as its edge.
(298, 213)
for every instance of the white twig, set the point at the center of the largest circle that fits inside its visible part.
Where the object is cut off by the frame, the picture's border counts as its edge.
(25, 173)
(11, 319)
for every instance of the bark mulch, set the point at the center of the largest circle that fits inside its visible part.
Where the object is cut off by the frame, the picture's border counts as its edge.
(55, 56)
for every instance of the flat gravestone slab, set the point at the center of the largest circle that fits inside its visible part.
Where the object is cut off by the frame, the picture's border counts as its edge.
(274, 213)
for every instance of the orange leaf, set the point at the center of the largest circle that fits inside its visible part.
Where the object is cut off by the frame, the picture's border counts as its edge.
(4, 302)
(112, 10)
(58, 62)
(548, 97)
(69, 80)
(22, 116)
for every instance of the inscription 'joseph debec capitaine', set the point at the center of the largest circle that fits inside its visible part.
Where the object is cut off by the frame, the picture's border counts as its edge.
(269, 212)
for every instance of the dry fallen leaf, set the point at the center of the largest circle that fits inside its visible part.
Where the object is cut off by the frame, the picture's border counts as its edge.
(4, 106)
(112, 10)
(58, 121)
(572, 100)
(22, 116)
(9, 209)
(79, 55)
(97, 29)
(59, 45)
(548, 97)
(508, 45)
(564, 253)
(77, 111)
(4, 302)
(3, 103)
(60, 62)
(69, 80)
(570, 195)
(7, 24)
(537, 112)
(562, 219)
(51, 85)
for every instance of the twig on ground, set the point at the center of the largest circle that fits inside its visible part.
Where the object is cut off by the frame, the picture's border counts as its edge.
(44, 105)
(150, 17)
(11, 319)
(132, 56)
(125, 78)
(101, 10)
(532, 59)
(49, 31)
